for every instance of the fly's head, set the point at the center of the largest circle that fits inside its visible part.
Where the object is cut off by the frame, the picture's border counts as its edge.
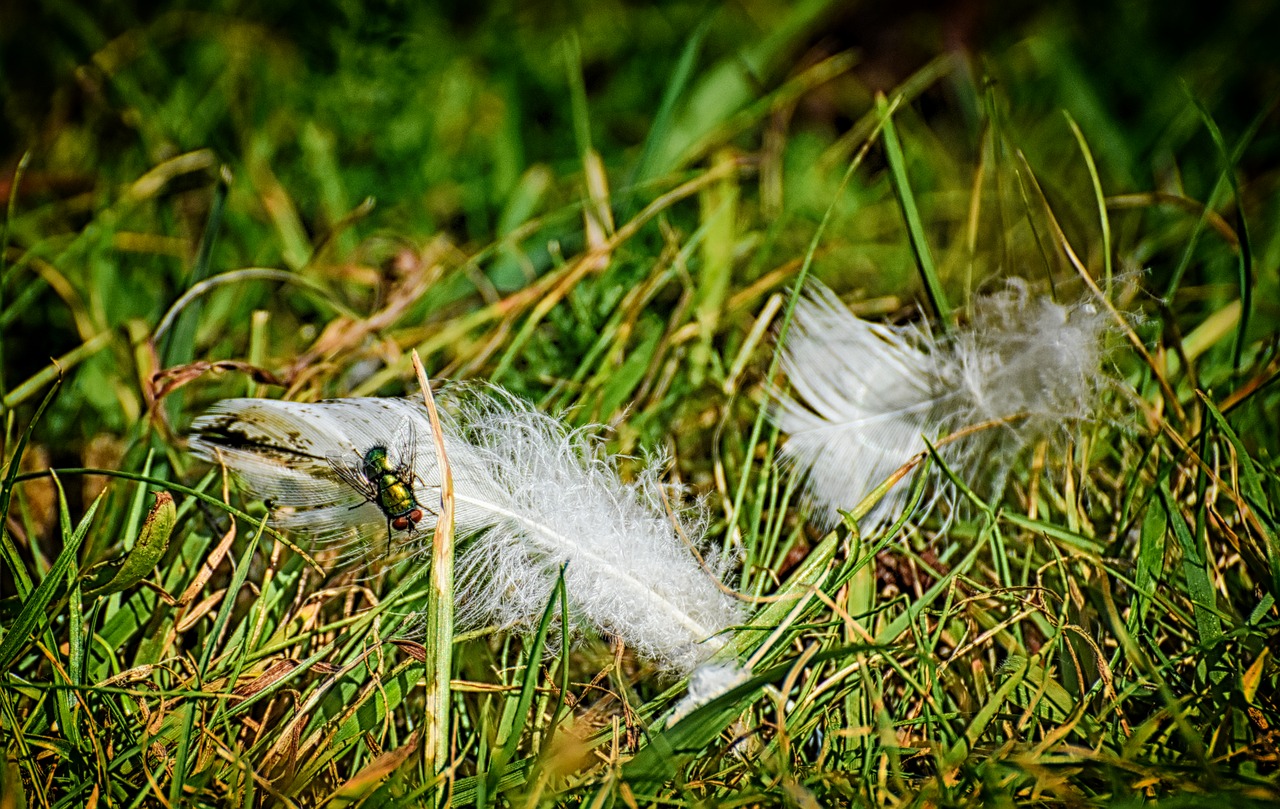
(407, 521)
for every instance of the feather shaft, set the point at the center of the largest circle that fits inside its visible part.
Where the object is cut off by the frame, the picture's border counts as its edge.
(559, 543)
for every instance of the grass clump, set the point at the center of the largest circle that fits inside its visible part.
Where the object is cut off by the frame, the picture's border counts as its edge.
(289, 203)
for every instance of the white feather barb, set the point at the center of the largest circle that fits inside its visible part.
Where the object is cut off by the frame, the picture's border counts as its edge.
(864, 397)
(530, 495)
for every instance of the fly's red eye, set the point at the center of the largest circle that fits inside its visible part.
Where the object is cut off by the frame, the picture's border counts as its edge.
(402, 523)
(415, 516)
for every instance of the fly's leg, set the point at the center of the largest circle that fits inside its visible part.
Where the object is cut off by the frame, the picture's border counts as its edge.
(416, 481)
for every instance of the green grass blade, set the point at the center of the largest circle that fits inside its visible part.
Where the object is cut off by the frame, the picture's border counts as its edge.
(179, 348)
(229, 600)
(75, 627)
(21, 580)
(182, 760)
(1244, 258)
(1104, 221)
(561, 700)
(580, 112)
(1252, 483)
(528, 686)
(1211, 203)
(1194, 567)
(33, 616)
(660, 130)
(911, 215)
(1150, 566)
(997, 702)
(719, 210)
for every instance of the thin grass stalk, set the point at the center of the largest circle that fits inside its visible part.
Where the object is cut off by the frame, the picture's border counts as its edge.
(719, 212)
(1206, 211)
(1244, 257)
(439, 635)
(189, 301)
(1029, 183)
(22, 582)
(10, 211)
(1103, 220)
(975, 209)
(75, 622)
(911, 215)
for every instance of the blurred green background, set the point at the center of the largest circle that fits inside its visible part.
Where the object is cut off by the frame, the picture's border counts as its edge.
(467, 124)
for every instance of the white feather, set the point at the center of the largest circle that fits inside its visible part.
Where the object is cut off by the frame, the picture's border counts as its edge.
(530, 495)
(865, 396)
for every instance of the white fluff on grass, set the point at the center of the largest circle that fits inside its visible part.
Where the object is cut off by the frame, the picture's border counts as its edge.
(865, 396)
(531, 497)
(707, 682)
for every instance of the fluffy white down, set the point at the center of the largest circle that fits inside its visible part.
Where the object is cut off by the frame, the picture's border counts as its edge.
(706, 682)
(531, 497)
(864, 396)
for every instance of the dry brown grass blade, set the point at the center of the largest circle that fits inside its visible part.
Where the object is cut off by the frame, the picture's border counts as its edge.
(1060, 238)
(192, 616)
(598, 214)
(170, 379)
(269, 676)
(544, 294)
(439, 636)
(358, 785)
(345, 333)
(1251, 386)
(209, 564)
(1153, 198)
(290, 735)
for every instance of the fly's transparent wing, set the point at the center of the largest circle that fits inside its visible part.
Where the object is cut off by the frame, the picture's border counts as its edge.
(349, 468)
(415, 463)
(402, 449)
(413, 454)
(283, 452)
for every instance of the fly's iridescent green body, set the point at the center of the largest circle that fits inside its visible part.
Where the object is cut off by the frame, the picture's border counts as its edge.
(392, 490)
(386, 479)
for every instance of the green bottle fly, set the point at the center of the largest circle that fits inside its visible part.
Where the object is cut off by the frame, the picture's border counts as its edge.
(392, 493)
(386, 483)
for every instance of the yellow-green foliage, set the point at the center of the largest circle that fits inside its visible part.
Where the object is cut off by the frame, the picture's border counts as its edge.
(609, 210)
